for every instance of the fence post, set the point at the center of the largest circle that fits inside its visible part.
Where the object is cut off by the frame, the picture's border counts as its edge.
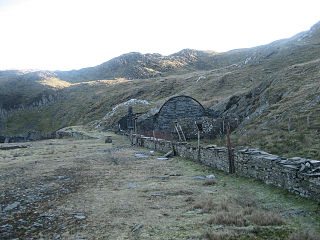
(230, 153)
(199, 128)
(154, 139)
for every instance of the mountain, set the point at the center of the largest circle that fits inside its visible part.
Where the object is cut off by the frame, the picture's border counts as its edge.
(135, 65)
(22, 88)
(269, 87)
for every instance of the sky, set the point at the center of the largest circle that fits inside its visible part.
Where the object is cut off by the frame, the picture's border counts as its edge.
(72, 34)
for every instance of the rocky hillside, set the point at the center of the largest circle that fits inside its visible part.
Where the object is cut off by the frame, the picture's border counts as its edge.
(21, 89)
(135, 65)
(274, 89)
(282, 114)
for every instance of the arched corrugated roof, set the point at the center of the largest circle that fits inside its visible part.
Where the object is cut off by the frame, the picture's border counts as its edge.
(181, 96)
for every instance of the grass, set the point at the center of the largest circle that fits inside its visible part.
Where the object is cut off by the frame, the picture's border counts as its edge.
(220, 235)
(263, 218)
(239, 214)
(209, 182)
(205, 205)
(164, 195)
(228, 218)
(305, 235)
(301, 142)
(55, 83)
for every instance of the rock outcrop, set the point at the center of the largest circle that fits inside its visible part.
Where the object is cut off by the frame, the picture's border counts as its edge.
(41, 101)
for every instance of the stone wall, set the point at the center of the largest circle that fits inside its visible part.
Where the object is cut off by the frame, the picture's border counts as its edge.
(72, 132)
(297, 175)
(29, 136)
(212, 127)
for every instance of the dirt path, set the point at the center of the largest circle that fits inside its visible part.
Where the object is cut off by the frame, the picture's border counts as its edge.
(86, 189)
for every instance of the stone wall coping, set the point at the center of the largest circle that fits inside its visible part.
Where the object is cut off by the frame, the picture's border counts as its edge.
(223, 149)
(182, 143)
(272, 158)
(314, 175)
(211, 146)
(146, 137)
(315, 163)
(253, 151)
(294, 167)
(268, 157)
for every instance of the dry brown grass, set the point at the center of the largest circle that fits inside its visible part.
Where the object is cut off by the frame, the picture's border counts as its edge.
(265, 218)
(205, 205)
(219, 235)
(248, 210)
(245, 200)
(50, 151)
(306, 235)
(241, 210)
(224, 206)
(209, 182)
(189, 199)
(228, 218)
(230, 214)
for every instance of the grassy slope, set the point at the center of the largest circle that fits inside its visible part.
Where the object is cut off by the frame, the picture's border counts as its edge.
(284, 128)
(85, 102)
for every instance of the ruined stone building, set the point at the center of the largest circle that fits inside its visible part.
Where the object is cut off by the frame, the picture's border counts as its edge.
(184, 110)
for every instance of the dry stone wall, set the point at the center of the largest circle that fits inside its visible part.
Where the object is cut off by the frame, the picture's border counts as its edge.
(69, 132)
(297, 175)
(212, 127)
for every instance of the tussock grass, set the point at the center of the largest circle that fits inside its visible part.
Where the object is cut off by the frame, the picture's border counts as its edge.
(248, 210)
(262, 218)
(189, 199)
(219, 235)
(306, 235)
(224, 206)
(205, 205)
(209, 182)
(245, 200)
(244, 217)
(232, 218)
(241, 210)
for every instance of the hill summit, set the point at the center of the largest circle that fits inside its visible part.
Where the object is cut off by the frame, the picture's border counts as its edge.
(135, 65)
